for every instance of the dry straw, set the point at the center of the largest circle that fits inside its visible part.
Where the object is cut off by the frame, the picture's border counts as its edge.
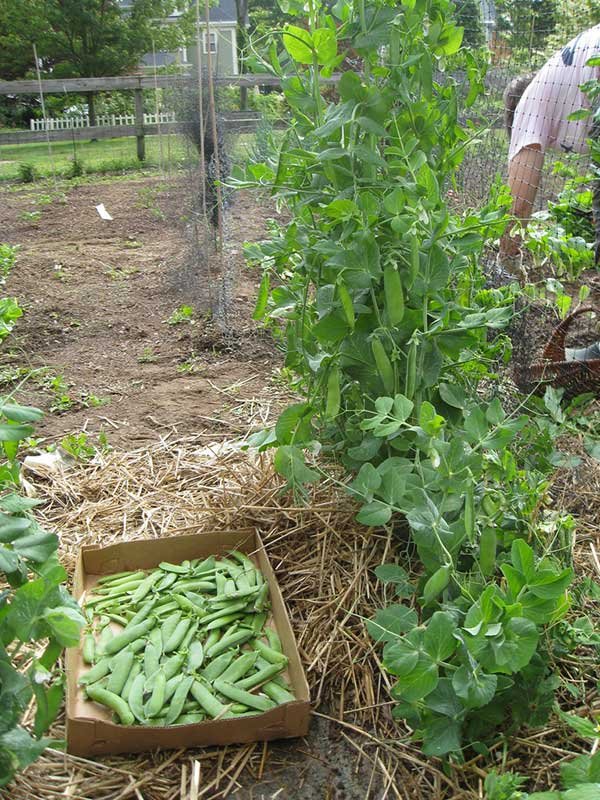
(324, 562)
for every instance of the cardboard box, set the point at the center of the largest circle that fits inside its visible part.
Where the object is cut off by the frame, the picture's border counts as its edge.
(90, 731)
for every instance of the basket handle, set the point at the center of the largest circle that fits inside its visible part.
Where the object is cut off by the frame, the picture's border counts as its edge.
(555, 349)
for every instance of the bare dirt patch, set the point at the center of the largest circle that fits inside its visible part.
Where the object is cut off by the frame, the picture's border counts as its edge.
(97, 297)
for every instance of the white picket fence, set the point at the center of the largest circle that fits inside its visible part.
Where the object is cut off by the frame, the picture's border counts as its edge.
(83, 121)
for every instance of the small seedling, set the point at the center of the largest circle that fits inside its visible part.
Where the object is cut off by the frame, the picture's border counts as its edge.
(30, 216)
(148, 356)
(181, 314)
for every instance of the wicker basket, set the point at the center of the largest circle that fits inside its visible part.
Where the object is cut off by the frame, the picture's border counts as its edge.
(575, 377)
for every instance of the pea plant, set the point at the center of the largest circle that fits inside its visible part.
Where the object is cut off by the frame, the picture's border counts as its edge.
(375, 294)
(38, 618)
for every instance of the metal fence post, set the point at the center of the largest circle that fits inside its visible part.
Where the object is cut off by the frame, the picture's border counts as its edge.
(139, 124)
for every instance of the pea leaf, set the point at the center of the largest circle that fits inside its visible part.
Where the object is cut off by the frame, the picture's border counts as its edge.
(389, 622)
(17, 413)
(420, 681)
(65, 624)
(475, 687)
(440, 736)
(289, 462)
(394, 574)
(439, 638)
(15, 433)
(299, 44)
(374, 514)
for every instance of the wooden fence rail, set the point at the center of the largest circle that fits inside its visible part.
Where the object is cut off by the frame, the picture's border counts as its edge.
(243, 122)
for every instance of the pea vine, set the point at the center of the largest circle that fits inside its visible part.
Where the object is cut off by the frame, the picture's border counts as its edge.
(375, 294)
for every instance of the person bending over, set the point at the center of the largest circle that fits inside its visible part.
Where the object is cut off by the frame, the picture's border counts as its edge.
(537, 111)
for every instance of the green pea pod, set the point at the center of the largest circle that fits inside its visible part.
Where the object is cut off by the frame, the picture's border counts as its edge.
(89, 648)
(270, 655)
(347, 304)
(277, 693)
(265, 674)
(195, 656)
(165, 583)
(217, 666)
(190, 718)
(469, 512)
(105, 637)
(171, 687)
(178, 700)
(173, 665)
(161, 611)
(247, 564)
(411, 370)
(130, 634)
(436, 584)
(262, 598)
(212, 638)
(223, 622)
(112, 701)
(415, 259)
(155, 638)
(119, 619)
(151, 659)
(240, 696)
(231, 608)
(178, 635)
(121, 666)
(333, 401)
(384, 365)
(258, 622)
(169, 625)
(394, 295)
(178, 569)
(120, 577)
(207, 700)
(239, 668)
(134, 672)
(157, 698)
(487, 551)
(146, 585)
(190, 635)
(274, 640)
(232, 640)
(96, 673)
(136, 697)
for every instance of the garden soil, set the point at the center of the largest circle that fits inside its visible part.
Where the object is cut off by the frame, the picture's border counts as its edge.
(98, 295)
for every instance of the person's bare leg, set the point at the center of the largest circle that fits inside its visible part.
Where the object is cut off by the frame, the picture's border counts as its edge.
(524, 176)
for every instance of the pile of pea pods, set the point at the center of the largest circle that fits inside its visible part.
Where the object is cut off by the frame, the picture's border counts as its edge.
(193, 644)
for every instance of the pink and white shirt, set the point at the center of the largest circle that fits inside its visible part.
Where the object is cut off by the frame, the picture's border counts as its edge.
(542, 115)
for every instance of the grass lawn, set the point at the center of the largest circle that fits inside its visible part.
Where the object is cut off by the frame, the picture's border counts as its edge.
(103, 155)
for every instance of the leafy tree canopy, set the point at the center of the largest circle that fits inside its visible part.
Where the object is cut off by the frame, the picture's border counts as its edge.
(82, 38)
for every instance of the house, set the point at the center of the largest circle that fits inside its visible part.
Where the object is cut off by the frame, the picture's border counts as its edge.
(221, 39)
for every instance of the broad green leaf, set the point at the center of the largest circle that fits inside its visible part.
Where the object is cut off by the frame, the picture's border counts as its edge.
(374, 514)
(513, 650)
(451, 41)
(15, 433)
(9, 561)
(583, 727)
(550, 585)
(420, 681)
(299, 44)
(37, 546)
(394, 574)
(586, 791)
(583, 769)
(325, 43)
(444, 700)
(294, 424)
(366, 482)
(441, 735)
(402, 408)
(522, 558)
(475, 687)
(12, 528)
(22, 746)
(289, 462)
(17, 413)
(65, 624)
(389, 622)
(15, 504)
(439, 639)
(452, 394)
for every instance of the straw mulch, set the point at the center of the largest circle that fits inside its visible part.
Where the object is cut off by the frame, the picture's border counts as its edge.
(324, 562)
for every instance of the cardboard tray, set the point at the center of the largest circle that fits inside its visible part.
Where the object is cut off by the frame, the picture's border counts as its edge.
(90, 731)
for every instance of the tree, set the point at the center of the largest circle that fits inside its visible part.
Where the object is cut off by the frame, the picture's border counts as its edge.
(83, 38)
